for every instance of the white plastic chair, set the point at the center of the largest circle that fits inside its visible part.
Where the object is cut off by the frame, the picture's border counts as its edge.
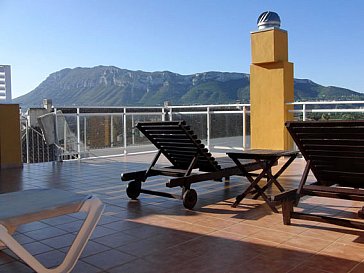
(27, 206)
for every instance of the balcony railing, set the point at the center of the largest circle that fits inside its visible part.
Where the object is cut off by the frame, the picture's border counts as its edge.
(317, 109)
(86, 132)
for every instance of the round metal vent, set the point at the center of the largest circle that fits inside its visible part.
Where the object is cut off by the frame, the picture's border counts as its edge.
(269, 19)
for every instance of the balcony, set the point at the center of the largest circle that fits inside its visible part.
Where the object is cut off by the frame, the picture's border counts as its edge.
(157, 234)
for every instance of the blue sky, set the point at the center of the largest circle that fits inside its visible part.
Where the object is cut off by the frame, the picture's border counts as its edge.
(39, 37)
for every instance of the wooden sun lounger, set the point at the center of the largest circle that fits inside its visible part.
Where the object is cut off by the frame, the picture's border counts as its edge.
(178, 143)
(334, 151)
(28, 206)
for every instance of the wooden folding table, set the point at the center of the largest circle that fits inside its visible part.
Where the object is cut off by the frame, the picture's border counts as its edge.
(267, 158)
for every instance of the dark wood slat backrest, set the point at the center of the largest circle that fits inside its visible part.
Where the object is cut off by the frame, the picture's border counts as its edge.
(335, 149)
(178, 144)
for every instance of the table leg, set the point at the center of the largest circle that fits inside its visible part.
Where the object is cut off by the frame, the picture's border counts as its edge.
(254, 184)
(284, 167)
(245, 193)
(273, 178)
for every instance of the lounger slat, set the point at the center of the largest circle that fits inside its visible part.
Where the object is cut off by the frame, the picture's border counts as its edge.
(337, 142)
(324, 124)
(171, 136)
(333, 136)
(335, 190)
(166, 130)
(337, 158)
(341, 163)
(339, 168)
(188, 149)
(355, 182)
(334, 148)
(170, 139)
(186, 160)
(203, 166)
(184, 154)
(175, 143)
(337, 175)
(161, 128)
(337, 154)
(164, 123)
(329, 130)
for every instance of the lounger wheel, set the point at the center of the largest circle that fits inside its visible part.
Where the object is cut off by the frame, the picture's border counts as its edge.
(133, 189)
(189, 199)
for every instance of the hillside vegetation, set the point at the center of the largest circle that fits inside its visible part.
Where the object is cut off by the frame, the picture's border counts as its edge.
(112, 86)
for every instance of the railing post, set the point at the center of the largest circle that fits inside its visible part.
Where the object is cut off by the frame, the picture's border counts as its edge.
(48, 155)
(132, 130)
(78, 134)
(304, 112)
(244, 127)
(59, 155)
(111, 130)
(208, 125)
(43, 149)
(124, 130)
(32, 146)
(163, 114)
(64, 135)
(165, 108)
(38, 148)
(27, 138)
(56, 124)
(85, 132)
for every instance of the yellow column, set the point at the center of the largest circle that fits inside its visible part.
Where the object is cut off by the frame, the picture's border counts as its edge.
(10, 144)
(271, 87)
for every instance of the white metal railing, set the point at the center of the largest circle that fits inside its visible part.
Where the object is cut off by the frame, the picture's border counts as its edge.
(36, 149)
(359, 107)
(225, 126)
(128, 116)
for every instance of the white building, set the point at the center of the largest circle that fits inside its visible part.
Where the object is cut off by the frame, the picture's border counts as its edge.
(5, 84)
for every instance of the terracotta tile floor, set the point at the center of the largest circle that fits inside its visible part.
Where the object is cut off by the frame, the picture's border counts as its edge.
(156, 234)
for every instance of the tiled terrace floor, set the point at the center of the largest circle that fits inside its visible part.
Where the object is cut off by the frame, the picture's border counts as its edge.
(157, 234)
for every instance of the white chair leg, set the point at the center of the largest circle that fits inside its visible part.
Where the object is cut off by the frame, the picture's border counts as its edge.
(94, 209)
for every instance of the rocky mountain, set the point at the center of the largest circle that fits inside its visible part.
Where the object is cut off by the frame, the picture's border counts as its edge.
(112, 86)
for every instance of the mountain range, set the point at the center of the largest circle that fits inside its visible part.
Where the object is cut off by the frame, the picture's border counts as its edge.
(112, 86)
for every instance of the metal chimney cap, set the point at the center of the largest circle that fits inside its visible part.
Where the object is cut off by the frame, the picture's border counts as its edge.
(268, 19)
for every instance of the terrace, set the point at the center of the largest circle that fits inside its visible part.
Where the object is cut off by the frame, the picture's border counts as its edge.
(156, 234)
